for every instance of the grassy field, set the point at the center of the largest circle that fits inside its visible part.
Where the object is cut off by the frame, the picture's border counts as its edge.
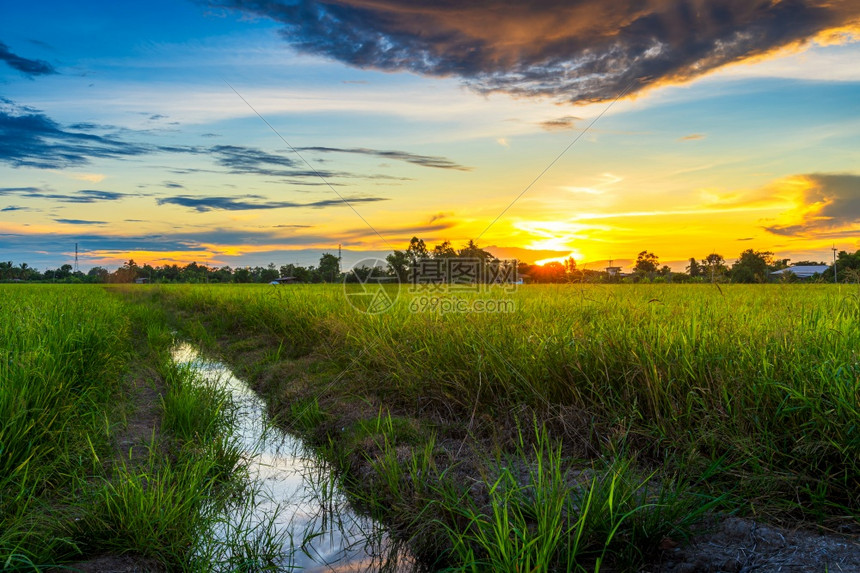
(591, 424)
(631, 410)
(111, 456)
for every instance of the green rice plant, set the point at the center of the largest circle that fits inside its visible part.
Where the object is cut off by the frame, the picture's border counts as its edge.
(306, 414)
(153, 510)
(193, 409)
(561, 519)
(62, 350)
(238, 538)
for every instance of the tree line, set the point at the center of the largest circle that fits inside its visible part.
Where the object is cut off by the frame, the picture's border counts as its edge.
(751, 266)
(327, 271)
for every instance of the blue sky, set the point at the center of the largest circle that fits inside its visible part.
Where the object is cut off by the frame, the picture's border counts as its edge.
(121, 133)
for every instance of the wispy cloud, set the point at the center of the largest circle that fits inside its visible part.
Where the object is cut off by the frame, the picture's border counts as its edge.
(578, 51)
(423, 160)
(79, 222)
(254, 202)
(25, 65)
(560, 123)
(692, 137)
(82, 196)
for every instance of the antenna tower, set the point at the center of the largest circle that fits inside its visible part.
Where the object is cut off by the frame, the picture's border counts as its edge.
(834, 263)
(76, 257)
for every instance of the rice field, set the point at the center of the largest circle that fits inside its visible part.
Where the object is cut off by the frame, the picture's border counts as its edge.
(743, 398)
(584, 425)
(98, 469)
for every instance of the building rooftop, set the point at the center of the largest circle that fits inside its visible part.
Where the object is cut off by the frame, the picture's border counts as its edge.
(803, 271)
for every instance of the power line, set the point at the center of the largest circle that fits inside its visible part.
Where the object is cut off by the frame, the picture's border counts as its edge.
(311, 167)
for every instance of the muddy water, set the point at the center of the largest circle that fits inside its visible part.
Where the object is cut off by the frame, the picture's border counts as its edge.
(294, 512)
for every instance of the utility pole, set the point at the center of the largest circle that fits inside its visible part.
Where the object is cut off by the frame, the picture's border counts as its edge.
(834, 264)
(76, 257)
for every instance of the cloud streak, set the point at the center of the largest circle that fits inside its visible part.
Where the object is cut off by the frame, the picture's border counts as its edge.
(25, 65)
(82, 196)
(560, 124)
(422, 160)
(253, 202)
(588, 50)
(79, 222)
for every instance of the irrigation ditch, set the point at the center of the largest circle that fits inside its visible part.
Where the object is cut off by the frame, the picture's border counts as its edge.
(292, 495)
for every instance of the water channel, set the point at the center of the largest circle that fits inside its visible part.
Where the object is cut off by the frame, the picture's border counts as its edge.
(294, 504)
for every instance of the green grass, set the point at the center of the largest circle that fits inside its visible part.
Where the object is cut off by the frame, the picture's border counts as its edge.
(152, 510)
(62, 351)
(766, 374)
(65, 493)
(751, 393)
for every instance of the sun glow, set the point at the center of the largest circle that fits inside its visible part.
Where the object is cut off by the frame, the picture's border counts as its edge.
(577, 256)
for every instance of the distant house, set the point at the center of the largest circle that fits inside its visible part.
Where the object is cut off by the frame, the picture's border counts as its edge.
(141, 281)
(283, 281)
(801, 271)
(613, 271)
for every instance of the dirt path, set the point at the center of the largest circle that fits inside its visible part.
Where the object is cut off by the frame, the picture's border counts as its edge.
(131, 445)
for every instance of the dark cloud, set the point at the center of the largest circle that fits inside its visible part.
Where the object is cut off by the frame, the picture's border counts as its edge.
(80, 222)
(253, 202)
(423, 160)
(578, 51)
(243, 160)
(440, 216)
(82, 196)
(15, 208)
(173, 185)
(24, 65)
(831, 204)
(86, 126)
(29, 138)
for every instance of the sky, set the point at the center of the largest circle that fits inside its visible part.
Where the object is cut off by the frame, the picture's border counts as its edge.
(246, 132)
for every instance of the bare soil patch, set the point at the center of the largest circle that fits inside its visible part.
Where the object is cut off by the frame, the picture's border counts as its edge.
(742, 545)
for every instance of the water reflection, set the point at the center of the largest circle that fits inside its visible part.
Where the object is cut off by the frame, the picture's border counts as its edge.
(293, 517)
